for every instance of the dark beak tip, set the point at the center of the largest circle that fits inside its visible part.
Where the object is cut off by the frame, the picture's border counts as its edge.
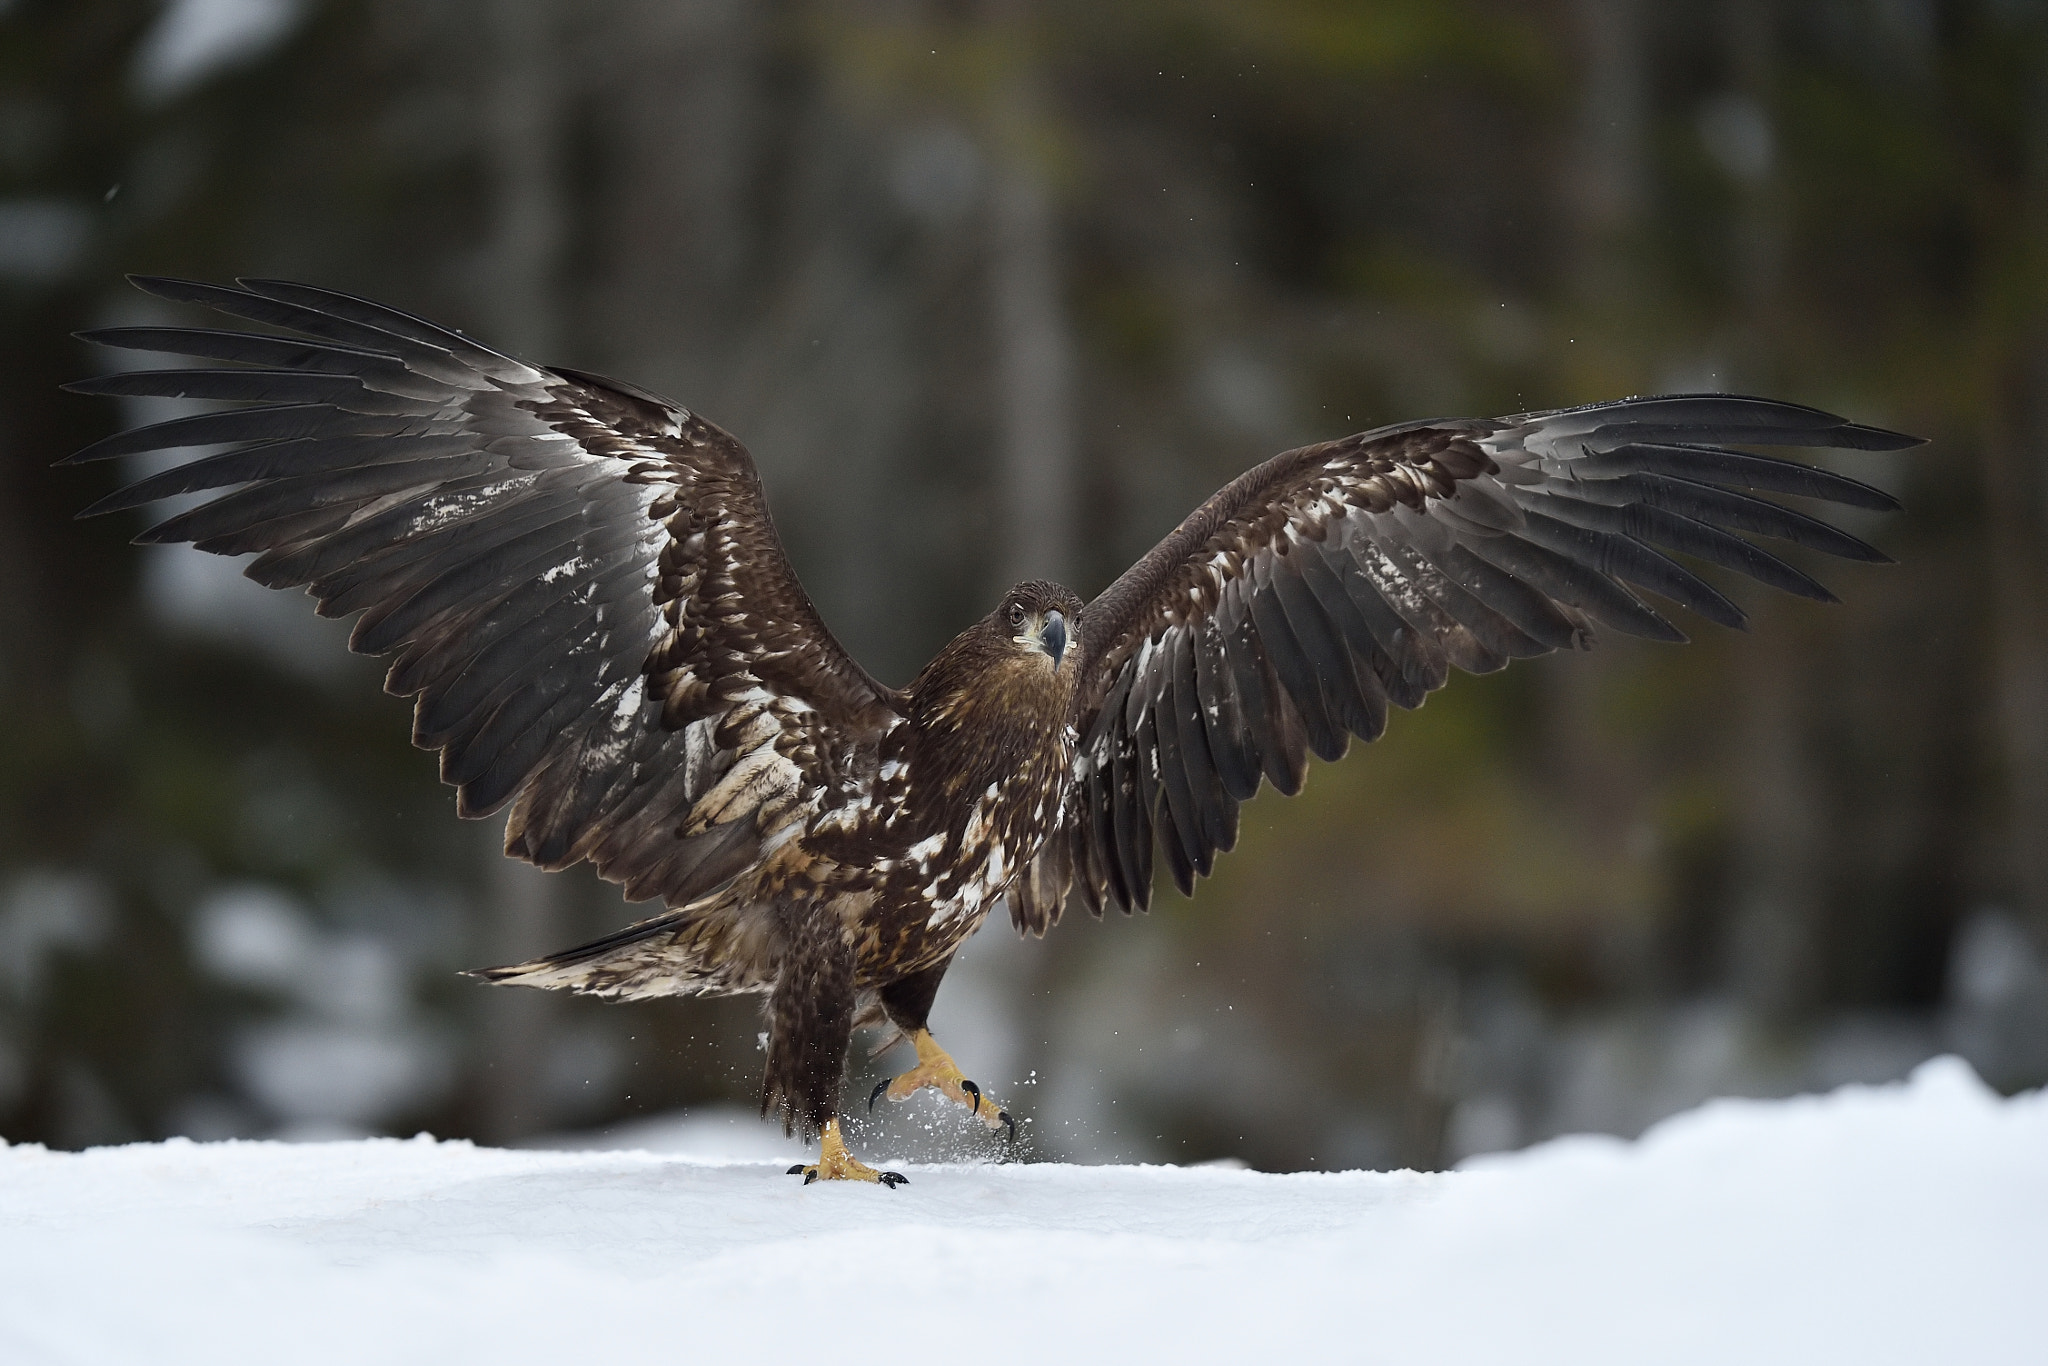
(1053, 638)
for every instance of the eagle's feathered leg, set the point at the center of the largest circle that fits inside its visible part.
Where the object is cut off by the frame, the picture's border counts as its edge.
(810, 1024)
(907, 1002)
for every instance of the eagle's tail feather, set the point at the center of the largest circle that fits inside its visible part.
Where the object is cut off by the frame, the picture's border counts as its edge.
(682, 952)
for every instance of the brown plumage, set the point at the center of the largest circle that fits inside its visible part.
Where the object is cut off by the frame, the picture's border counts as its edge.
(579, 584)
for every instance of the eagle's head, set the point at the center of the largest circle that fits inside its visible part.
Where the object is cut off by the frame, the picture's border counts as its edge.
(1009, 679)
(1037, 622)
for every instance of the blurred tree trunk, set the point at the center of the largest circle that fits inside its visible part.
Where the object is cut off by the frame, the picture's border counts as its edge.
(1602, 210)
(1034, 353)
(1607, 176)
(1035, 476)
(522, 140)
(675, 146)
(1774, 959)
(2016, 498)
(1779, 873)
(23, 655)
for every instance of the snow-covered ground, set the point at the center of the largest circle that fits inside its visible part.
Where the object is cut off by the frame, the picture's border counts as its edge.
(1891, 1224)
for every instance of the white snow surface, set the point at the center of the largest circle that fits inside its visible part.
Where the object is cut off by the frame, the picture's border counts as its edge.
(1906, 1223)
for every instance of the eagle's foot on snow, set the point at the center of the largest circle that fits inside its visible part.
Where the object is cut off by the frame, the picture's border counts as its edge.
(936, 1069)
(836, 1164)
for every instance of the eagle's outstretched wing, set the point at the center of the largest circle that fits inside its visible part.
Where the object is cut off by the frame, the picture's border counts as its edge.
(579, 580)
(1289, 611)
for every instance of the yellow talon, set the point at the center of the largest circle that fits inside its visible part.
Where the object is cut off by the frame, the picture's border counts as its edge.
(936, 1069)
(836, 1164)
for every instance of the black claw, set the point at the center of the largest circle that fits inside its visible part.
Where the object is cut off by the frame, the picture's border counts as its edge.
(971, 1089)
(1004, 1116)
(876, 1094)
(894, 1179)
(810, 1176)
(797, 1170)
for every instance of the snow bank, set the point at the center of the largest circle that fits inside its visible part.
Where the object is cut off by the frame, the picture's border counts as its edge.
(1895, 1224)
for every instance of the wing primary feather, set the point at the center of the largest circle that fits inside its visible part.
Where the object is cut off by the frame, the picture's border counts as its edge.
(1492, 629)
(1205, 784)
(293, 421)
(548, 716)
(1089, 878)
(1236, 767)
(1646, 522)
(550, 821)
(453, 641)
(1324, 580)
(346, 392)
(1741, 512)
(1258, 692)
(253, 518)
(277, 460)
(1102, 838)
(1293, 665)
(397, 579)
(1408, 663)
(514, 752)
(347, 576)
(396, 323)
(249, 348)
(1736, 419)
(473, 674)
(474, 581)
(424, 358)
(1178, 833)
(1709, 464)
(1205, 788)
(492, 777)
(467, 747)
(1619, 557)
(286, 528)
(439, 523)
(1132, 824)
(279, 497)
(1150, 805)
(1322, 645)
(1293, 752)
(1183, 769)
(1521, 603)
(1367, 717)
(1112, 773)
(379, 370)
(1571, 582)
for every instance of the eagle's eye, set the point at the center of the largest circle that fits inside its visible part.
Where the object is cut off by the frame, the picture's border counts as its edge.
(1016, 616)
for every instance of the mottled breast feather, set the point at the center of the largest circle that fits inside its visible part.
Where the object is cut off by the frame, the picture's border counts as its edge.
(577, 581)
(1289, 611)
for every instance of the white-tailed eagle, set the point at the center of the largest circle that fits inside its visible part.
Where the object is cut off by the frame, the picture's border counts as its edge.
(579, 585)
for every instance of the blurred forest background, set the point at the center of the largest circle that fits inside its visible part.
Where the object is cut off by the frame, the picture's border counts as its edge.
(994, 288)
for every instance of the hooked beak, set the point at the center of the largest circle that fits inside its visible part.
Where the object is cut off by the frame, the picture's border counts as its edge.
(1052, 637)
